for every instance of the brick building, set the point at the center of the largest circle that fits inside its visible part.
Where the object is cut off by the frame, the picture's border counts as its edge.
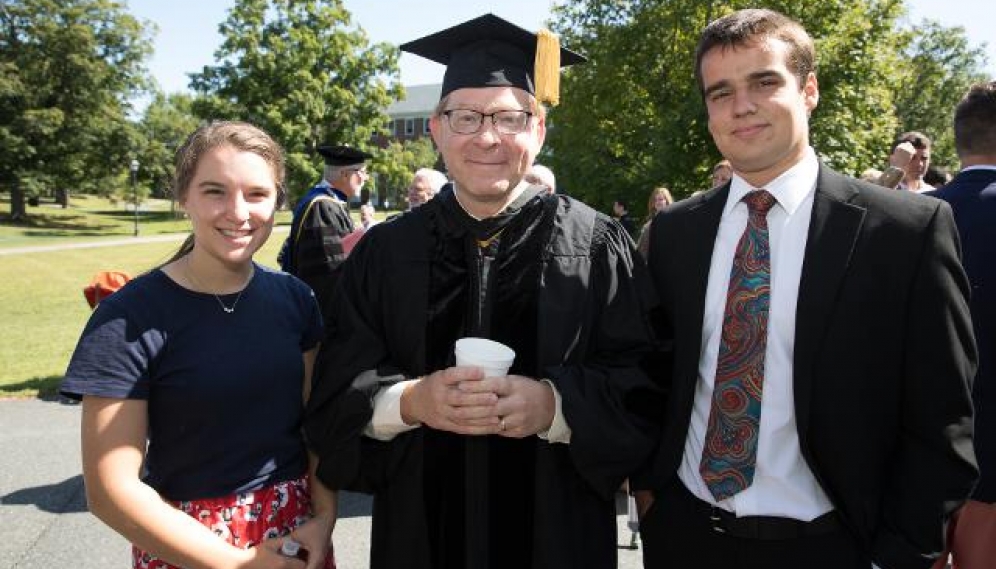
(410, 117)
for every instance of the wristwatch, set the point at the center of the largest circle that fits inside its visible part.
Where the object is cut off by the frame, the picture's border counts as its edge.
(891, 177)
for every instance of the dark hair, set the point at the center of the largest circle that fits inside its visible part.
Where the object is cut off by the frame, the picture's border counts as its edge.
(919, 140)
(239, 135)
(936, 176)
(745, 27)
(975, 121)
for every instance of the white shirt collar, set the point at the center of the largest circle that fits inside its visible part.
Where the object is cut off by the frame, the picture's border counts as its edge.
(790, 189)
(979, 167)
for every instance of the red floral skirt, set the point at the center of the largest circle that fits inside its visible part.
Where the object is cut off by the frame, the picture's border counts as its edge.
(244, 520)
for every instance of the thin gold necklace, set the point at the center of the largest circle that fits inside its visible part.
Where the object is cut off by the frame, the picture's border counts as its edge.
(227, 309)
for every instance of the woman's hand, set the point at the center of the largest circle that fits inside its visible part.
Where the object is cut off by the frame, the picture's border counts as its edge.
(315, 536)
(267, 555)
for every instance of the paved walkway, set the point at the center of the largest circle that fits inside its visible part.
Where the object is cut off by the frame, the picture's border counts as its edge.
(44, 521)
(165, 237)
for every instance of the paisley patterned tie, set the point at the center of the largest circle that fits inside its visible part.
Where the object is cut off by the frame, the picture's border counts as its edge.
(730, 451)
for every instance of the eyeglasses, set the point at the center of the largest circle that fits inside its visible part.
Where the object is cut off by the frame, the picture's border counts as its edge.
(466, 121)
(361, 171)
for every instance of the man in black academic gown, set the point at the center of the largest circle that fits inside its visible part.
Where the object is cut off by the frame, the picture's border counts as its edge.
(513, 471)
(314, 249)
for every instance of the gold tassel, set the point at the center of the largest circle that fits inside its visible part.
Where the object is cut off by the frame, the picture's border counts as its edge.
(546, 68)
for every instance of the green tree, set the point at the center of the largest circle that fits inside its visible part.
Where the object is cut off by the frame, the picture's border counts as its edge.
(67, 70)
(164, 126)
(396, 164)
(300, 70)
(938, 68)
(632, 117)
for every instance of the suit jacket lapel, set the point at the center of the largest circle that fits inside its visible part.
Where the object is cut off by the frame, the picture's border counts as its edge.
(833, 232)
(702, 225)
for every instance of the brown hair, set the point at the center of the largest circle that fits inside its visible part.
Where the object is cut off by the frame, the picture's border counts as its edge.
(744, 27)
(975, 121)
(239, 135)
(919, 140)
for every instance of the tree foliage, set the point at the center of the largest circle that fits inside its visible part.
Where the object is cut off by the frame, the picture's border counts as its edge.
(632, 117)
(855, 47)
(67, 70)
(300, 70)
(396, 164)
(629, 118)
(940, 66)
(165, 124)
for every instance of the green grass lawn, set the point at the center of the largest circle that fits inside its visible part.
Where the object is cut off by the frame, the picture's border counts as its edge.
(42, 309)
(91, 218)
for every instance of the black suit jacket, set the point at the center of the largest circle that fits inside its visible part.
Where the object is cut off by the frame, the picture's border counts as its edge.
(972, 196)
(884, 353)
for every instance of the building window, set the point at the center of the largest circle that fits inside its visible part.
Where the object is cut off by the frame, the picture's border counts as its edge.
(409, 127)
(425, 126)
(390, 127)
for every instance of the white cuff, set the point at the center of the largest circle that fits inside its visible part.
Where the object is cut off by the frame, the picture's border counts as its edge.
(560, 431)
(386, 422)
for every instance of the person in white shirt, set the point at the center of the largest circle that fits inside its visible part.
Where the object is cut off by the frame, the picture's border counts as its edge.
(918, 164)
(426, 183)
(540, 175)
(367, 219)
(818, 412)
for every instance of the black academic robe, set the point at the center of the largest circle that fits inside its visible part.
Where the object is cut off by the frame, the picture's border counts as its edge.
(314, 247)
(566, 292)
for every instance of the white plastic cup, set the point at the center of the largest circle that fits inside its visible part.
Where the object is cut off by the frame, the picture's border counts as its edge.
(493, 357)
(291, 548)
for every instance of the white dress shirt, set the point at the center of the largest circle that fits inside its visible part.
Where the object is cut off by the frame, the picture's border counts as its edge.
(924, 187)
(783, 483)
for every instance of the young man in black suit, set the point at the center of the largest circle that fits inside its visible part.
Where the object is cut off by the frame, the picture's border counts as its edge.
(972, 195)
(818, 412)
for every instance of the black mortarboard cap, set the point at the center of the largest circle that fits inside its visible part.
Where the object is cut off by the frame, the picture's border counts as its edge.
(340, 155)
(491, 52)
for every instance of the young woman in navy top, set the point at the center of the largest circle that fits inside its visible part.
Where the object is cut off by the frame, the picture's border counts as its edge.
(193, 379)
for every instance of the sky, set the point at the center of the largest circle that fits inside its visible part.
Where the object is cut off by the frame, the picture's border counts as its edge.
(188, 29)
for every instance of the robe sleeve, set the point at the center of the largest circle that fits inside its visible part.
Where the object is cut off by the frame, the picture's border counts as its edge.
(353, 366)
(319, 251)
(611, 405)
